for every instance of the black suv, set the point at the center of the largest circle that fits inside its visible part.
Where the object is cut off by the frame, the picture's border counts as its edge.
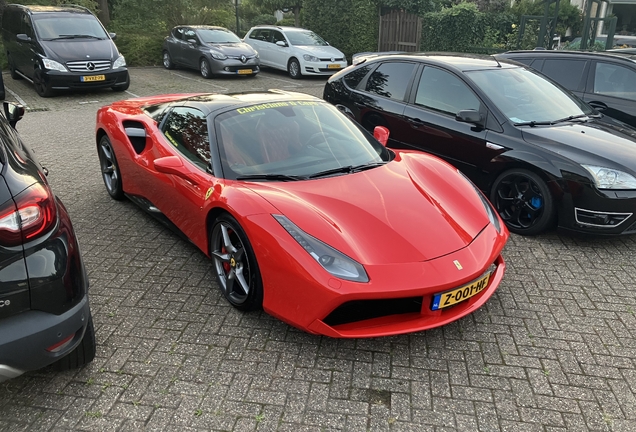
(44, 313)
(61, 48)
(605, 80)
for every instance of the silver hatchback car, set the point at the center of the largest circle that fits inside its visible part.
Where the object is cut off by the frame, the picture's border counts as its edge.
(211, 50)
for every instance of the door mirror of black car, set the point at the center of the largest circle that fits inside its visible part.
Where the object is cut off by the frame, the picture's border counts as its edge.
(192, 41)
(113, 36)
(381, 134)
(470, 116)
(13, 112)
(22, 37)
(281, 43)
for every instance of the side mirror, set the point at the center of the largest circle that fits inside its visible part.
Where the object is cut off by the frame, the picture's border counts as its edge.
(113, 36)
(469, 116)
(173, 165)
(192, 41)
(13, 112)
(281, 43)
(381, 134)
(22, 37)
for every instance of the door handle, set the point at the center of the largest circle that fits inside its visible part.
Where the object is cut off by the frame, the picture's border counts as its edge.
(600, 106)
(415, 122)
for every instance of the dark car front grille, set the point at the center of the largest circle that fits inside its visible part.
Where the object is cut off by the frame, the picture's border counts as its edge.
(88, 65)
(360, 310)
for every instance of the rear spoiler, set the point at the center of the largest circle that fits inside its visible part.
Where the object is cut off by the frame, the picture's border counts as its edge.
(358, 58)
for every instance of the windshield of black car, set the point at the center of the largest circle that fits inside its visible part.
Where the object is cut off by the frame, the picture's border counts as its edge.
(293, 138)
(525, 97)
(217, 36)
(305, 38)
(68, 26)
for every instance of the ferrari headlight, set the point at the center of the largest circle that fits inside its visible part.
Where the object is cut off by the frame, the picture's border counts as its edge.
(311, 58)
(492, 214)
(217, 55)
(120, 62)
(335, 262)
(609, 178)
(53, 65)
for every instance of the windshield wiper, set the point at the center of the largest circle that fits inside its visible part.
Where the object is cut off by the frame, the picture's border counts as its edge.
(348, 169)
(553, 122)
(77, 36)
(274, 177)
(570, 118)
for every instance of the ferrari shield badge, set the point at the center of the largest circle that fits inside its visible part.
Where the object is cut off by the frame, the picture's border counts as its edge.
(208, 193)
(458, 265)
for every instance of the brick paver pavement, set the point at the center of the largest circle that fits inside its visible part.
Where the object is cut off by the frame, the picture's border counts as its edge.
(553, 350)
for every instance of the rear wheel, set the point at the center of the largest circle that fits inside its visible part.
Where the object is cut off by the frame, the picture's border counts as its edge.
(204, 67)
(235, 264)
(523, 201)
(167, 60)
(83, 354)
(42, 87)
(294, 69)
(110, 169)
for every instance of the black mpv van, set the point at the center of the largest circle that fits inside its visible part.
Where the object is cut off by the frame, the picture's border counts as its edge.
(61, 48)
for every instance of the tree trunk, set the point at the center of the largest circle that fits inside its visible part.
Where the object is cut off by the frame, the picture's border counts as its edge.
(104, 14)
(296, 10)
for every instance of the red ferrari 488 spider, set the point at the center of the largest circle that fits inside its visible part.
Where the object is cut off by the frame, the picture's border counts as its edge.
(304, 213)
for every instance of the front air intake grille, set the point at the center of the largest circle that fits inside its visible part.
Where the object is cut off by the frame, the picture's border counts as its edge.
(360, 310)
(88, 66)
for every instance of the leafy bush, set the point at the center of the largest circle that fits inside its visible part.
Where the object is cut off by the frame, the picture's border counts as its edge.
(291, 22)
(264, 19)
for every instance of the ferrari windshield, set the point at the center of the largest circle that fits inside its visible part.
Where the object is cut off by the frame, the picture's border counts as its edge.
(305, 37)
(217, 36)
(293, 140)
(526, 98)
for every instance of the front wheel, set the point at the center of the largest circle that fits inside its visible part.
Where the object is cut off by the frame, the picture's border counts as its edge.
(110, 169)
(523, 201)
(235, 264)
(167, 60)
(42, 87)
(294, 69)
(204, 67)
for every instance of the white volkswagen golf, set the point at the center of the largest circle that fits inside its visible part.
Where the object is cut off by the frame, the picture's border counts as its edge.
(295, 50)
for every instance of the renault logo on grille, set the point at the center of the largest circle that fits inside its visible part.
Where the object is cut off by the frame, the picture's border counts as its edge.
(243, 58)
(90, 66)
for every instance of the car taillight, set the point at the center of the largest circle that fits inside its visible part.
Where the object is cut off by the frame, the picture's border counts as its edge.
(33, 214)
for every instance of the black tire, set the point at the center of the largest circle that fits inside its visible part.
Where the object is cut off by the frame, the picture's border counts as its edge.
(122, 87)
(83, 354)
(205, 69)
(12, 70)
(293, 68)
(167, 60)
(110, 169)
(523, 201)
(42, 87)
(235, 264)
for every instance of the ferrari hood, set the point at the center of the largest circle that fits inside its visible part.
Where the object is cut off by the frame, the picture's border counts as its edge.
(413, 209)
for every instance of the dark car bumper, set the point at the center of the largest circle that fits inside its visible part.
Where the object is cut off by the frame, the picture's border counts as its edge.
(607, 212)
(67, 81)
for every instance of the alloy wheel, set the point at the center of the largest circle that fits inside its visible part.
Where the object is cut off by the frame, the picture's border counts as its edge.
(231, 263)
(520, 201)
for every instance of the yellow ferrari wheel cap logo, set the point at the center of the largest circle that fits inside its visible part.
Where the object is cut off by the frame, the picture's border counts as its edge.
(208, 193)
(458, 265)
(232, 262)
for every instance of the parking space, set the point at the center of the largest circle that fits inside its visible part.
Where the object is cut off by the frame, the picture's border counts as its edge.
(553, 350)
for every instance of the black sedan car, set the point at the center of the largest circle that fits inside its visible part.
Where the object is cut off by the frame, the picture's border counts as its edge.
(542, 155)
(44, 313)
(211, 50)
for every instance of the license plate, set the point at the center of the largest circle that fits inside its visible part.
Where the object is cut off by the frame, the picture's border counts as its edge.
(333, 66)
(244, 71)
(90, 78)
(457, 295)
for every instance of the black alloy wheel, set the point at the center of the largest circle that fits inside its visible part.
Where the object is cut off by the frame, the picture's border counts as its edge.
(523, 201)
(235, 264)
(42, 87)
(110, 169)
(167, 61)
(204, 67)
(294, 69)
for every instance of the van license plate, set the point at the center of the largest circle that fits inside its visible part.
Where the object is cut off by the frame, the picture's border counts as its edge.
(90, 78)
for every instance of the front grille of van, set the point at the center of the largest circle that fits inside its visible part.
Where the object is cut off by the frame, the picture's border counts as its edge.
(88, 66)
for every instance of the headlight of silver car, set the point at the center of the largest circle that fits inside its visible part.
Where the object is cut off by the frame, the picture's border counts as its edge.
(217, 55)
(335, 262)
(311, 58)
(120, 62)
(53, 65)
(609, 178)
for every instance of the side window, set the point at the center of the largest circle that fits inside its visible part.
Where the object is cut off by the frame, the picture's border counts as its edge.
(187, 130)
(390, 80)
(255, 34)
(443, 91)
(27, 27)
(354, 78)
(178, 33)
(190, 34)
(615, 80)
(568, 73)
(265, 35)
(278, 36)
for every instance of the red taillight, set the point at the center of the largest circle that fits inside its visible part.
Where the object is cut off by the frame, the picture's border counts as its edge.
(61, 344)
(34, 214)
